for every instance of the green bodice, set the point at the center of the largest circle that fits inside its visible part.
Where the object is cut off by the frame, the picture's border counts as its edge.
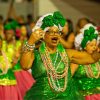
(8, 78)
(87, 85)
(41, 89)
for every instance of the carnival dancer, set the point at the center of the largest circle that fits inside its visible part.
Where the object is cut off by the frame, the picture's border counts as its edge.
(51, 62)
(87, 76)
(14, 82)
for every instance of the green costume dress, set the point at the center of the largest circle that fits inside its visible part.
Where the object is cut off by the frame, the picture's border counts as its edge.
(41, 89)
(88, 85)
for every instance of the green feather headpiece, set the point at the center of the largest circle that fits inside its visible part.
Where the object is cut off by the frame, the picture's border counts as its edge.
(55, 19)
(89, 35)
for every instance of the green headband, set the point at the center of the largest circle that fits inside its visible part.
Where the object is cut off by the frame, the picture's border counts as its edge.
(89, 35)
(55, 19)
(11, 25)
(8, 26)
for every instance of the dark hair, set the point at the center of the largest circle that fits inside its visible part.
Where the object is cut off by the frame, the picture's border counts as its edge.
(79, 21)
(70, 27)
(1, 17)
(29, 18)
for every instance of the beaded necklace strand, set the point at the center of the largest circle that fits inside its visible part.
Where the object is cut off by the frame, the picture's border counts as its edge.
(53, 75)
(89, 71)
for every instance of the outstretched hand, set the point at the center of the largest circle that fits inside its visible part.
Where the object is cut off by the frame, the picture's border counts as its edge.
(38, 34)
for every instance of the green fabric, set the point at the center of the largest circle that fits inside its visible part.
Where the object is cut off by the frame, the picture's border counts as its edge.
(17, 67)
(87, 85)
(41, 89)
(59, 47)
(11, 25)
(8, 26)
(89, 35)
(9, 75)
(55, 19)
(8, 78)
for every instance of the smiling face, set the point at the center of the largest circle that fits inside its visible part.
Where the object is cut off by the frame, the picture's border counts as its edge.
(52, 37)
(9, 34)
(91, 46)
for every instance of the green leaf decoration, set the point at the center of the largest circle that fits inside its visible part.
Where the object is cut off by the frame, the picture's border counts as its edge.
(58, 19)
(55, 19)
(89, 35)
(47, 22)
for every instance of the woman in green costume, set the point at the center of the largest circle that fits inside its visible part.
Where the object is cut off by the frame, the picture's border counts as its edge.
(51, 62)
(14, 82)
(87, 76)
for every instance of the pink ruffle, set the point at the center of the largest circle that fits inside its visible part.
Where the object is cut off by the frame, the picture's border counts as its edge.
(10, 93)
(93, 97)
(24, 81)
(16, 92)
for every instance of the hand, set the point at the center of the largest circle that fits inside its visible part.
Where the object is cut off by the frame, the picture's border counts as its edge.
(37, 35)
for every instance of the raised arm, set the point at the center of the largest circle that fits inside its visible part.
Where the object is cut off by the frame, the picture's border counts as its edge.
(82, 57)
(27, 56)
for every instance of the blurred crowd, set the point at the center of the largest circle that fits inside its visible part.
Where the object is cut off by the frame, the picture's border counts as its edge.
(16, 28)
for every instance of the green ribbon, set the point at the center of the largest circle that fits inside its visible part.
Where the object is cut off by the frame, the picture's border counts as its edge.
(89, 35)
(55, 19)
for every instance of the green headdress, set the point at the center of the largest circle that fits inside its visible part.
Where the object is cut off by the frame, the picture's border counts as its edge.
(55, 19)
(7, 26)
(89, 35)
(49, 20)
(11, 25)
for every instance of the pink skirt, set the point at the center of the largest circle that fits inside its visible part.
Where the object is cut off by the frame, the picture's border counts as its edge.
(24, 81)
(93, 97)
(17, 92)
(10, 93)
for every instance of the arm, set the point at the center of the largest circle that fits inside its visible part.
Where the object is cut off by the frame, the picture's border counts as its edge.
(27, 57)
(73, 68)
(66, 44)
(81, 57)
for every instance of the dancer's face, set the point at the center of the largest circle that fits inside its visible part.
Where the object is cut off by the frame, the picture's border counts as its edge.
(9, 34)
(91, 46)
(52, 36)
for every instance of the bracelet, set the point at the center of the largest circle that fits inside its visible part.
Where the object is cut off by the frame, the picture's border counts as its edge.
(28, 47)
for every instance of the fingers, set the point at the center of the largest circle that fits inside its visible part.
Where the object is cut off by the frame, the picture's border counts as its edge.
(42, 34)
(38, 34)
